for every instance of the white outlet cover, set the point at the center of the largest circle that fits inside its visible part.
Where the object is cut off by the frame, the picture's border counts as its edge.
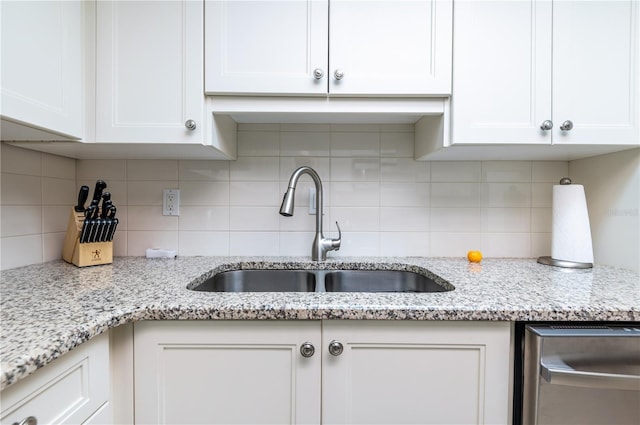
(171, 202)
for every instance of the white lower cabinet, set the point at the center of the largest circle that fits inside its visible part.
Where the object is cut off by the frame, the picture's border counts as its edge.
(73, 389)
(380, 372)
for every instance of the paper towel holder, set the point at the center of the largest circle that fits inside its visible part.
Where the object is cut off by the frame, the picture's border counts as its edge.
(549, 261)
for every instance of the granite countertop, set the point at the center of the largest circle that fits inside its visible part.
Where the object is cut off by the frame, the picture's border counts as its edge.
(48, 309)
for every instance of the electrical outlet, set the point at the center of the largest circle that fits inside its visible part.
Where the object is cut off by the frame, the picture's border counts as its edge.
(171, 202)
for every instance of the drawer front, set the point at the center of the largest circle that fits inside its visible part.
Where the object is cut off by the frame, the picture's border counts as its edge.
(69, 390)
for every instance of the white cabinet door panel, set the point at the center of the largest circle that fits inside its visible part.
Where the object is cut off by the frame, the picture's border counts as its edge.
(149, 71)
(255, 47)
(416, 372)
(595, 71)
(42, 52)
(390, 47)
(213, 372)
(501, 72)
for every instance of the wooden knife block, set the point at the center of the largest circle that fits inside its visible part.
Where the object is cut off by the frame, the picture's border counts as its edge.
(84, 254)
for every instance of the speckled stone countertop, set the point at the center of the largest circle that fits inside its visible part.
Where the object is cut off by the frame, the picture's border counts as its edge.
(48, 309)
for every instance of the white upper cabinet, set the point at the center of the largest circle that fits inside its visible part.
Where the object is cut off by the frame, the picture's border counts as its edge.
(42, 68)
(337, 47)
(523, 70)
(149, 83)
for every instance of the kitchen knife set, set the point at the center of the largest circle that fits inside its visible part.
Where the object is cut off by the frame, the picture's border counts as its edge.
(100, 220)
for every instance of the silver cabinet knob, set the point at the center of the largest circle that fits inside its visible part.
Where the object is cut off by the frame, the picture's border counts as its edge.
(318, 73)
(307, 349)
(546, 125)
(31, 420)
(190, 124)
(339, 75)
(566, 126)
(335, 348)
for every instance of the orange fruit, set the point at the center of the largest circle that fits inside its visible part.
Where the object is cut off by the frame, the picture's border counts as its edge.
(474, 256)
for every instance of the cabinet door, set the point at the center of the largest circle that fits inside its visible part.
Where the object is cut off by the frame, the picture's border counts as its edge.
(501, 72)
(390, 47)
(596, 76)
(42, 65)
(416, 372)
(217, 372)
(274, 46)
(149, 71)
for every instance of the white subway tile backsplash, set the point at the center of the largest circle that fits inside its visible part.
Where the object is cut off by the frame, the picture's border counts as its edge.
(55, 218)
(506, 245)
(21, 220)
(58, 166)
(357, 219)
(93, 169)
(549, 171)
(386, 203)
(203, 243)
(502, 220)
(246, 193)
(254, 218)
(20, 251)
(52, 245)
(258, 143)
(204, 218)
(21, 161)
(404, 194)
(455, 220)
(396, 144)
(255, 168)
(21, 189)
(147, 169)
(307, 144)
(455, 195)
(192, 193)
(358, 144)
(254, 243)
(59, 191)
(355, 194)
(355, 169)
(146, 192)
(404, 219)
(454, 244)
(506, 195)
(321, 165)
(203, 170)
(150, 218)
(404, 244)
(456, 171)
(541, 195)
(138, 241)
(506, 171)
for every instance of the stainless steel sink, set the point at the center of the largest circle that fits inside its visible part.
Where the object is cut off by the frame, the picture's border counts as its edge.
(380, 281)
(260, 281)
(320, 281)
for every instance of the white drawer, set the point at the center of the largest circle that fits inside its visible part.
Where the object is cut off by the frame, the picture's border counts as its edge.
(68, 390)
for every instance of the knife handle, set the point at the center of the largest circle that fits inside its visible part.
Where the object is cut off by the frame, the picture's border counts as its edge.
(105, 208)
(82, 198)
(86, 225)
(97, 192)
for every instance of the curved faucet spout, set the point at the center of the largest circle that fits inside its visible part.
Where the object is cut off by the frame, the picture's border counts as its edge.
(320, 244)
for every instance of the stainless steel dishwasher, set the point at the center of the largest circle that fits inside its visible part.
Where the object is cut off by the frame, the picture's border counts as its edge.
(581, 375)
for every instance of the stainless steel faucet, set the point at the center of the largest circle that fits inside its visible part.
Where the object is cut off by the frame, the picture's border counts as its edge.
(321, 245)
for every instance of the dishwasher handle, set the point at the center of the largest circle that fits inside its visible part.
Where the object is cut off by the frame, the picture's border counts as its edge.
(555, 371)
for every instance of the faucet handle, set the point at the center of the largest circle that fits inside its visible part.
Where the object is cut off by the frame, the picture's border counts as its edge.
(335, 243)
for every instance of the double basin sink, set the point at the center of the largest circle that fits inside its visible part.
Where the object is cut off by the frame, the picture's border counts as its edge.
(321, 281)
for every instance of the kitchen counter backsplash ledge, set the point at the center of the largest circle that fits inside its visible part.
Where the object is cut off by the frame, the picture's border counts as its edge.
(48, 309)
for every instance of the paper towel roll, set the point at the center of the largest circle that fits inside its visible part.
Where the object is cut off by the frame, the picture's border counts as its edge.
(571, 233)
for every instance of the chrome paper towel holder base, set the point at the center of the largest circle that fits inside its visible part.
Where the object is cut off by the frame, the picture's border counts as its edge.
(547, 260)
